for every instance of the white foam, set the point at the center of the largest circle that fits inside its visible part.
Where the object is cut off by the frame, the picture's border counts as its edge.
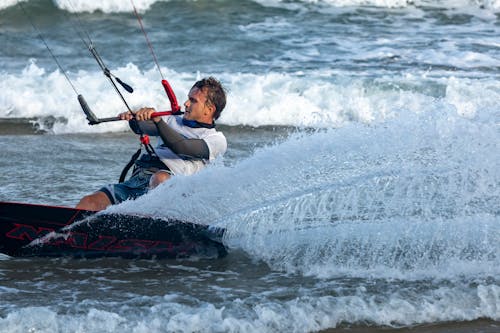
(108, 6)
(117, 6)
(8, 3)
(294, 99)
(321, 4)
(37, 94)
(402, 307)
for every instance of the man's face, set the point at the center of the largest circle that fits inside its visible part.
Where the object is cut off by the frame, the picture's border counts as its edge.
(196, 107)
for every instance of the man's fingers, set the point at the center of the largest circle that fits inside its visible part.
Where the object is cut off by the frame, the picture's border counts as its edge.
(144, 113)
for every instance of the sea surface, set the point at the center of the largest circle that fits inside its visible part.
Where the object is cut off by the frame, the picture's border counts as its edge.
(360, 190)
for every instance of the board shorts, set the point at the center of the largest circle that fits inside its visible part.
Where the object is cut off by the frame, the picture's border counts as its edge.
(136, 185)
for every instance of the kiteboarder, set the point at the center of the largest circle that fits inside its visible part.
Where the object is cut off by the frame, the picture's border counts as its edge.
(187, 144)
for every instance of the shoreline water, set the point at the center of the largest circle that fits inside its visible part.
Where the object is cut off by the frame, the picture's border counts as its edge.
(476, 326)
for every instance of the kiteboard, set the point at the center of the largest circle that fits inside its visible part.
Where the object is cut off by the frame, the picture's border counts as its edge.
(31, 230)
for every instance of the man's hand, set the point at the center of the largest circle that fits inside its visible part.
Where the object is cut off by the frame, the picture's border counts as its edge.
(140, 115)
(126, 115)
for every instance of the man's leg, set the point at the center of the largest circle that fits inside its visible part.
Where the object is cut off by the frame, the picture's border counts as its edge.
(132, 188)
(95, 201)
(157, 178)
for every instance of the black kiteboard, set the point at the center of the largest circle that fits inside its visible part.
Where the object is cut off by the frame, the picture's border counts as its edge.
(28, 230)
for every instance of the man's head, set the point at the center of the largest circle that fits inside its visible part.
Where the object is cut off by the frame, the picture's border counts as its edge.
(206, 100)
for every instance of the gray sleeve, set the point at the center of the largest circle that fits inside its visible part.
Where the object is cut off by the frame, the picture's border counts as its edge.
(194, 148)
(143, 127)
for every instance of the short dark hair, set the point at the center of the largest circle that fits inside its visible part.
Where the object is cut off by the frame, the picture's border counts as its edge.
(216, 93)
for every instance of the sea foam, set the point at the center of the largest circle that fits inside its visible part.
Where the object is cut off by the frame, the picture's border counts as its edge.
(120, 6)
(273, 99)
(401, 307)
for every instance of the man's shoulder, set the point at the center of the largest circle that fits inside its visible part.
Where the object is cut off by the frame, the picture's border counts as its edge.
(213, 135)
(216, 142)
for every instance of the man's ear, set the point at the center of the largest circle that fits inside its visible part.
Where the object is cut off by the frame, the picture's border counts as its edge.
(211, 109)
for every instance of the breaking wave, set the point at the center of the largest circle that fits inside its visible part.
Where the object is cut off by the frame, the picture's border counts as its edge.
(119, 6)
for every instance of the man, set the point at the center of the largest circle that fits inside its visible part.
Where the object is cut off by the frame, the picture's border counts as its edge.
(187, 144)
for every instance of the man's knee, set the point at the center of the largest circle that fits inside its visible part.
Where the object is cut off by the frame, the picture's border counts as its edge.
(158, 177)
(95, 201)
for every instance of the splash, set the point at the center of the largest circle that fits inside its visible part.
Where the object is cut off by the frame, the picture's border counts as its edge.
(415, 195)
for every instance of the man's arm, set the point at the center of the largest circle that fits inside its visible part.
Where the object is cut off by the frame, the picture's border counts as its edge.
(195, 148)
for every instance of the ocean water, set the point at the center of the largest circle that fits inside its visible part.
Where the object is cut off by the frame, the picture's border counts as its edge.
(360, 190)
